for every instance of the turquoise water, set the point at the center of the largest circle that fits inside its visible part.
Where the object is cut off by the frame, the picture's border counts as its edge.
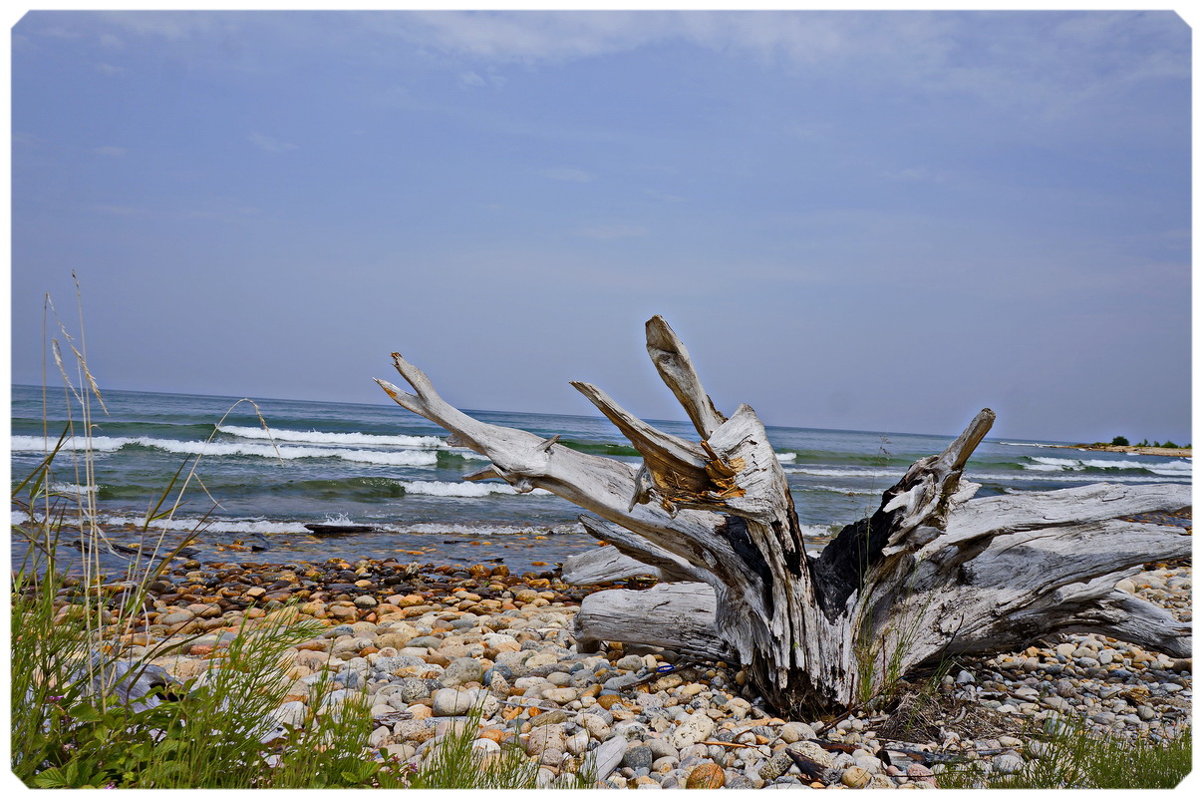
(383, 466)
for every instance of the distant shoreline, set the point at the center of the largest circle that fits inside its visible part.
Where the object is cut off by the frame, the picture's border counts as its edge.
(1108, 447)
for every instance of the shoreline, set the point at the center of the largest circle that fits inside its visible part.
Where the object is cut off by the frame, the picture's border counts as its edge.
(425, 641)
(1155, 451)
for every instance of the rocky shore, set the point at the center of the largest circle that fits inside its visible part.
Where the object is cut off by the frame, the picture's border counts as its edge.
(1156, 451)
(426, 644)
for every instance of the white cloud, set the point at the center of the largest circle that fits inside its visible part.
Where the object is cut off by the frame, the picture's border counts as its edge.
(270, 144)
(476, 80)
(568, 175)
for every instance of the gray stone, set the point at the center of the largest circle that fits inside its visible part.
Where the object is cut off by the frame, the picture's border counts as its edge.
(425, 641)
(775, 767)
(631, 662)
(1007, 763)
(412, 689)
(694, 729)
(796, 731)
(448, 701)
(661, 747)
(638, 756)
(461, 671)
(602, 760)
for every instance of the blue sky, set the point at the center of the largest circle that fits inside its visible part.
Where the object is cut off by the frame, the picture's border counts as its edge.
(870, 220)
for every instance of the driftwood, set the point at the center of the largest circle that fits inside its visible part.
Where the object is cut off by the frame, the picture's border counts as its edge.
(931, 572)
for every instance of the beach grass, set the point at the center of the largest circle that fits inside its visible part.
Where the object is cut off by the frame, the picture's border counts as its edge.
(1070, 757)
(89, 709)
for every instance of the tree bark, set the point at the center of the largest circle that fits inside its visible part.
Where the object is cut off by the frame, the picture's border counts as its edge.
(930, 572)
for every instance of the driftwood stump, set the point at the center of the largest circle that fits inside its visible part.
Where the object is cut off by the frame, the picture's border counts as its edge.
(931, 572)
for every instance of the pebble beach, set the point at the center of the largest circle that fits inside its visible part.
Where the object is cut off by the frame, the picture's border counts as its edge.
(424, 644)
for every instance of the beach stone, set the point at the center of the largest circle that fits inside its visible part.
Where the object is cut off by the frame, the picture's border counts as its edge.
(855, 777)
(291, 713)
(631, 662)
(638, 756)
(796, 731)
(560, 695)
(661, 747)
(550, 736)
(577, 743)
(594, 725)
(694, 729)
(1005, 763)
(918, 771)
(871, 764)
(553, 716)
(602, 760)
(706, 776)
(413, 689)
(461, 671)
(608, 700)
(776, 766)
(402, 751)
(414, 731)
(449, 701)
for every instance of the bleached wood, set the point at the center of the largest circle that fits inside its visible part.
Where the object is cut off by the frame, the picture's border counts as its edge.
(678, 616)
(931, 571)
(674, 365)
(605, 564)
(629, 555)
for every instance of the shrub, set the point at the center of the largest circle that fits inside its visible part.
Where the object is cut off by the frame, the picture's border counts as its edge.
(1120, 440)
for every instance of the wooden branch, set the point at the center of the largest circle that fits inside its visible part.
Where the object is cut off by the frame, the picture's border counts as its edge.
(674, 365)
(668, 567)
(604, 564)
(678, 616)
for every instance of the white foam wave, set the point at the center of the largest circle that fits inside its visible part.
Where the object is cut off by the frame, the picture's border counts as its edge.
(241, 526)
(984, 476)
(409, 457)
(19, 517)
(267, 527)
(100, 443)
(464, 490)
(72, 488)
(342, 438)
(786, 457)
(820, 530)
(1035, 445)
(1168, 468)
(848, 472)
(843, 491)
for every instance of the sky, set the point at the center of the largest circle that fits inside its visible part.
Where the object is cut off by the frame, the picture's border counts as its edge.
(854, 220)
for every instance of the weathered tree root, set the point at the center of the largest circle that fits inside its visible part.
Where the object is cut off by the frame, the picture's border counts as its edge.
(931, 572)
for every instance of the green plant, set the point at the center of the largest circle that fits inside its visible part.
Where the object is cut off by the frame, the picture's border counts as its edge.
(74, 723)
(1120, 440)
(454, 763)
(1069, 757)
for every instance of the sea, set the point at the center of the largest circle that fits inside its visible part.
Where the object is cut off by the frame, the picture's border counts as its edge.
(247, 476)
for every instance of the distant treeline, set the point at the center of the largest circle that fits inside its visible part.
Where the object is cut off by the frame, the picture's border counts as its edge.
(1121, 440)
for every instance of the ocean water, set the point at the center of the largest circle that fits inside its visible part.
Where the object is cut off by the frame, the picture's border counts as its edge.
(377, 464)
